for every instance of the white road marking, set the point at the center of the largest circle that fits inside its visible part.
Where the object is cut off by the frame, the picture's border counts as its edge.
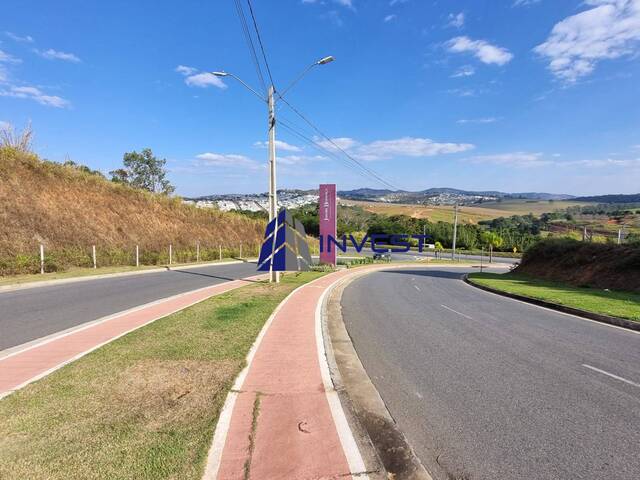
(611, 375)
(416, 287)
(455, 311)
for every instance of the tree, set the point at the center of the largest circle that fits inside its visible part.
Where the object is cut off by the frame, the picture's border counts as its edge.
(145, 171)
(491, 239)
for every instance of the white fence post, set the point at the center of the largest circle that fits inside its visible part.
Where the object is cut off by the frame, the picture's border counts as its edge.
(198, 252)
(41, 259)
(93, 254)
(137, 256)
(220, 248)
(170, 254)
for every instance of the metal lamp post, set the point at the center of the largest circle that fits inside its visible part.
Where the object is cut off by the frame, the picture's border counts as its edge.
(271, 105)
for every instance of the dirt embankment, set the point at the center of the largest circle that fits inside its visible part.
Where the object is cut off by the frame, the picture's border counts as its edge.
(69, 210)
(616, 267)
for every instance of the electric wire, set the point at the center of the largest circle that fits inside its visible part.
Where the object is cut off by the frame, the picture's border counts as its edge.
(249, 40)
(355, 161)
(264, 55)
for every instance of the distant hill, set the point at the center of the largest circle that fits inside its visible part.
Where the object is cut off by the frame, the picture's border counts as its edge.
(69, 209)
(633, 198)
(443, 196)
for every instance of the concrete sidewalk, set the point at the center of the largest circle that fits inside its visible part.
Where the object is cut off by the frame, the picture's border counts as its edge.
(283, 418)
(37, 360)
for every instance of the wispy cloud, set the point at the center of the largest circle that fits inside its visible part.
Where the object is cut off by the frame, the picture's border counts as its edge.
(18, 38)
(221, 160)
(456, 20)
(194, 78)
(388, 18)
(52, 54)
(300, 159)
(280, 145)
(524, 3)
(7, 58)
(397, 2)
(400, 147)
(481, 49)
(611, 29)
(35, 94)
(512, 159)
(464, 71)
(464, 121)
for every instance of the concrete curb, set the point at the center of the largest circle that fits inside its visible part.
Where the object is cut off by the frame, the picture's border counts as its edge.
(86, 278)
(616, 321)
(382, 443)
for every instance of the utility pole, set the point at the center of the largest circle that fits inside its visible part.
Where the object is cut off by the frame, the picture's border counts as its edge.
(273, 194)
(273, 197)
(455, 231)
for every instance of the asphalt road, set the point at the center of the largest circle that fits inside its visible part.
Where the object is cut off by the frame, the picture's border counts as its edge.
(33, 313)
(486, 387)
(414, 255)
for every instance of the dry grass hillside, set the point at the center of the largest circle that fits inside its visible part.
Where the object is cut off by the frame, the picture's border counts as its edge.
(68, 211)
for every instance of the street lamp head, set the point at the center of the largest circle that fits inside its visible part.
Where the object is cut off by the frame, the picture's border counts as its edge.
(220, 74)
(325, 60)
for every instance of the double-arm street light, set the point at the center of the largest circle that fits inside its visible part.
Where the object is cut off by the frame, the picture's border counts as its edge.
(271, 103)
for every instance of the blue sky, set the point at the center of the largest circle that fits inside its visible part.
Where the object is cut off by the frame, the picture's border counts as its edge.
(513, 95)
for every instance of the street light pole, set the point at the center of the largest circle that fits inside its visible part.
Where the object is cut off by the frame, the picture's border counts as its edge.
(274, 276)
(455, 231)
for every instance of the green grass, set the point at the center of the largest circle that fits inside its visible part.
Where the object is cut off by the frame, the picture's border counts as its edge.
(613, 303)
(89, 272)
(144, 406)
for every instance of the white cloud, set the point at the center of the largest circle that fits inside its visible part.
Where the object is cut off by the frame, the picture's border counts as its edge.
(603, 163)
(52, 54)
(462, 92)
(407, 147)
(300, 159)
(388, 18)
(456, 21)
(345, 3)
(18, 38)
(464, 121)
(280, 145)
(397, 2)
(484, 51)
(185, 70)
(464, 71)
(576, 44)
(524, 3)
(204, 80)
(35, 94)
(201, 80)
(6, 58)
(512, 159)
(209, 159)
(344, 143)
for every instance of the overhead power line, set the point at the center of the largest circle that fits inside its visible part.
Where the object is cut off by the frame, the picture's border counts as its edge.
(338, 147)
(249, 40)
(264, 55)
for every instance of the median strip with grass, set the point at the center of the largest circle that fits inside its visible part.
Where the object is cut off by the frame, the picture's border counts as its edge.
(144, 406)
(613, 303)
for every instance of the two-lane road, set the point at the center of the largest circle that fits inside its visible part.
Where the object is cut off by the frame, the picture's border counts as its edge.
(486, 387)
(33, 313)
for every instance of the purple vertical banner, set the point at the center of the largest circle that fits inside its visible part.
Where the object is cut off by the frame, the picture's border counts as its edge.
(327, 215)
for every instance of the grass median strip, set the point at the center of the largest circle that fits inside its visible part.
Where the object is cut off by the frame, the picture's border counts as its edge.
(614, 303)
(144, 406)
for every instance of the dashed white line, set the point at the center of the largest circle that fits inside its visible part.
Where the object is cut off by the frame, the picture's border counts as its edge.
(455, 311)
(611, 375)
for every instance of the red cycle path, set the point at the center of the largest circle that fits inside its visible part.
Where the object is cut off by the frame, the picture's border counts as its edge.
(291, 433)
(23, 367)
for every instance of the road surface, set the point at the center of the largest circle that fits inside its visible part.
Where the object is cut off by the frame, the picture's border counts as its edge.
(486, 387)
(415, 255)
(33, 313)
